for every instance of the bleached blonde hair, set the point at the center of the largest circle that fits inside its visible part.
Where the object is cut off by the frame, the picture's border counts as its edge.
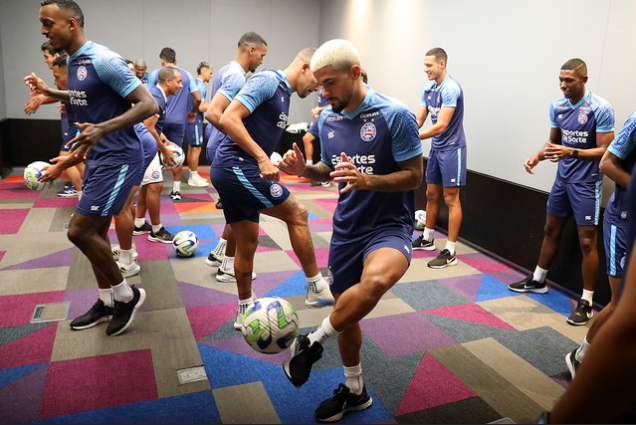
(340, 54)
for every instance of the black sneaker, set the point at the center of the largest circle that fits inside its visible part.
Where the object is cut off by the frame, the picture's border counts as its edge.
(97, 314)
(444, 259)
(571, 362)
(219, 205)
(529, 285)
(162, 236)
(343, 400)
(145, 228)
(176, 196)
(581, 314)
(124, 313)
(303, 357)
(214, 260)
(420, 243)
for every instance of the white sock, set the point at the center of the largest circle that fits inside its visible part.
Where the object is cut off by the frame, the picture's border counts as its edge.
(194, 174)
(107, 297)
(451, 247)
(228, 264)
(310, 162)
(324, 332)
(539, 275)
(580, 353)
(79, 195)
(587, 295)
(428, 234)
(126, 256)
(139, 222)
(220, 248)
(244, 304)
(316, 283)
(123, 292)
(176, 187)
(156, 228)
(353, 378)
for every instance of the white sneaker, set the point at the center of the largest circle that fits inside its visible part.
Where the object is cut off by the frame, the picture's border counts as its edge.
(198, 181)
(214, 260)
(228, 276)
(116, 250)
(131, 270)
(238, 323)
(317, 298)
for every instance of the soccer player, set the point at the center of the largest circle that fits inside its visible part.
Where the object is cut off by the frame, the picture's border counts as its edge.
(247, 180)
(443, 99)
(194, 130)
(140, 71)
(617, 163)
(169, 83)
(370, 147)
(50, 54)
(100, 92)
(178, 112)
(230, 79)
(582, 128)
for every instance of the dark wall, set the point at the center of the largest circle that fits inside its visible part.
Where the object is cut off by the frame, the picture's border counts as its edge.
(502, 218)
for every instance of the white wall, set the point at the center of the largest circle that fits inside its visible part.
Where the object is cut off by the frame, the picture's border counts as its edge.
(3, 103)
(505, 54)
(197, 30)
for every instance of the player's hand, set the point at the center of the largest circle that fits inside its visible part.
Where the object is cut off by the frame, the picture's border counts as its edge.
(293, 162)
(61, 108)
(84, 142)
(31, 107)
(268, 170)
(192, 116)
(531, 163)
(36, 84)
(346, 172)
(555, 153)
(51, 172)
(166, 154)
(315, 112)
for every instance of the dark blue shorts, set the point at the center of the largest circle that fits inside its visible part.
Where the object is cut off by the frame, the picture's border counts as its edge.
(583, 200)
(447, 167)
(106, 187)
(150, 150)
(615, 236)
(174, 132)
(194, 133)
(346, 257)
(245, 193)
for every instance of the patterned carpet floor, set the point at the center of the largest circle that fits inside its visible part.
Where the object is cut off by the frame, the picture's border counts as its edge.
(443, 346)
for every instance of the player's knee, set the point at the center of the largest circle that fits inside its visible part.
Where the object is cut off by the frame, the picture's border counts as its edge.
(551, 231)
(587, 244)
(432, 195)
(76, 234)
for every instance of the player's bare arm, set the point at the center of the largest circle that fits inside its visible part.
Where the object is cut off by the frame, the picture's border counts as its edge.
(38, 86)
(443, 120)
(218, 105)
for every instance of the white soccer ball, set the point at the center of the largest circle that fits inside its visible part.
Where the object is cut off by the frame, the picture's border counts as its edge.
(185, 243)
(276, 158)
(270, 325)
(420, 219)
(40, 165)
(177, 155)
(31, 176)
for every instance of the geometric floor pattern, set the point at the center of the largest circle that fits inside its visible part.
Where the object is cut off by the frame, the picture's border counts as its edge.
(442, 346)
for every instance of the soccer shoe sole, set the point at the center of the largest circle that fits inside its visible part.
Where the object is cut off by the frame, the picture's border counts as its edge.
(213, 264)
(130, 273)
(142, 298)
(140, 232)
(573, 323)
(450, 263)
(194, 183)
(533, 290)
(154, 239)
(91, 325)
(339, 416)
(228, 278)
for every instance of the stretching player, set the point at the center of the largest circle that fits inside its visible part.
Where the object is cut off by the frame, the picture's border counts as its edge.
(247, 180)
(178, 112)
(230, 79)
(194, 130)
(375, 156)
(617, 163)
(443, 98)
(582, 128)
(101, 90)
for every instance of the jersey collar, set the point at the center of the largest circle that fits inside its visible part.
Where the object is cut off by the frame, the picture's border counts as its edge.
(580, 102)
(282, 77)
(239, 67)
(81, 50)
(366, 102)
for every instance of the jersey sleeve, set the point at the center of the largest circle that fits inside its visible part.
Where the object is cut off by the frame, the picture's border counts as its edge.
(604, 118)
(192, 85)
(553, 122)
(450, 95)
(423, 98)
(406, 142)
(231, 85)
(324, 154)
(113, 71)
(625, 141)
(152, 79)
(257, 90)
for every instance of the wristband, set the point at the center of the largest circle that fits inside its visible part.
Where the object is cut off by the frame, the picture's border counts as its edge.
(263, 160)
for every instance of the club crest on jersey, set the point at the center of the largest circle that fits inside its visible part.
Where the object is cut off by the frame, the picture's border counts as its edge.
(276, 190)
(582, 118)
(82, 73)
(368, 132)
